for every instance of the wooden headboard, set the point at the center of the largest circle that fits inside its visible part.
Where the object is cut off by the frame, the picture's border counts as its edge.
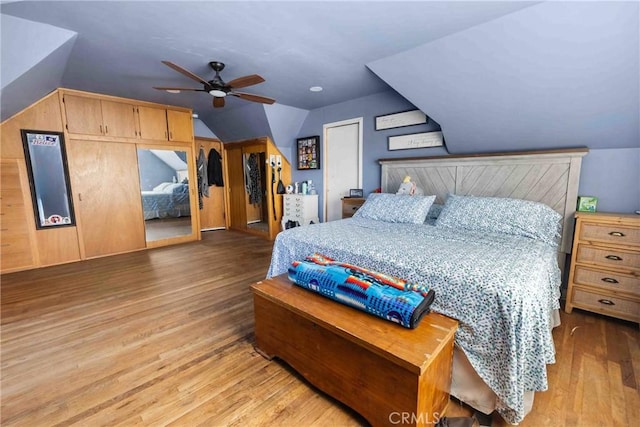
(550, 177)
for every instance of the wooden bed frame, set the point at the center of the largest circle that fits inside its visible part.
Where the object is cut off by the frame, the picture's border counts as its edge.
(550, 177)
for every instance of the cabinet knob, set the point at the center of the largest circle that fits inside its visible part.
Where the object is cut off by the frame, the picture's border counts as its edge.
(613, 257)
(609, 280)
(616, 234)
(606, 302)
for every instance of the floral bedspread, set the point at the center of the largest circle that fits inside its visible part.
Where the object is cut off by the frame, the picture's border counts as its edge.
(500, 287)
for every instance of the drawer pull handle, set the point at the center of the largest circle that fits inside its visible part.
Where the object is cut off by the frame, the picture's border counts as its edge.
(613, 257)
(616, 233)
(355, 208)
(609, 280)
(606, 302)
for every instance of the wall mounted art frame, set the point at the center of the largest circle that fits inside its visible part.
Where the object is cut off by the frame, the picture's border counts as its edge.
(308, 152)
(404, 118)
(46, 160)
(416, 140)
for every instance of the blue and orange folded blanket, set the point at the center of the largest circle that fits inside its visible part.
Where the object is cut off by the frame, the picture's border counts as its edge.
(380, 294)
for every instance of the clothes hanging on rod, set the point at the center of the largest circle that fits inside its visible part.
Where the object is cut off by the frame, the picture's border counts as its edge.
(203, 185)
(252, 178)
(214, 168)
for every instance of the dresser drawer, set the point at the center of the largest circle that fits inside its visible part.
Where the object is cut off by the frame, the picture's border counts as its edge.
(606, 280)
(607, 304)
(616, 234)
(350, 206)
(613, 258)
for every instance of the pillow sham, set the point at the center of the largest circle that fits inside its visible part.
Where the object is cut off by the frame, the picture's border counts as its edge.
(396, 208)
(434, 212)
(161, 188)
(177, 188)
(501, 215)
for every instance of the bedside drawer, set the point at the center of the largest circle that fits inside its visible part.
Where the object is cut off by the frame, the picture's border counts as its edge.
(615, 234)
(350, 206)
(624, 308)
(614, 258)
(606, 280)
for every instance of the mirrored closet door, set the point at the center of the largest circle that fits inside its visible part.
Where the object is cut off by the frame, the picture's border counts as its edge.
(167, 191)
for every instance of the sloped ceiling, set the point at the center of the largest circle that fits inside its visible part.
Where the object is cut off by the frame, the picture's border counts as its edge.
(293, 45)
(26, 77)
(496, 75)
(558, 74)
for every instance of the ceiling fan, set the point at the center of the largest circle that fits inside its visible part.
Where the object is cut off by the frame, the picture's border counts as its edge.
(217, 87)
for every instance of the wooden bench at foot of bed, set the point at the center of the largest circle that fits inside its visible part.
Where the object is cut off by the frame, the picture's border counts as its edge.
(389, 374)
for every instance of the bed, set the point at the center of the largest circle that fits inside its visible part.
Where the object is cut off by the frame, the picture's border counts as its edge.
(166, 200)
(490, 237)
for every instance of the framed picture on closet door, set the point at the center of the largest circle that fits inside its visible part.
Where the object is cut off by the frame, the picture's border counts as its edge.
(309, 152)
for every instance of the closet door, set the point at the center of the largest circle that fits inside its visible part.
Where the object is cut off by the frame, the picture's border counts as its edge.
(235, 184)
(84, 115)
(104, 178)
(119, 119)
(212, 216)
(180, 124)
(153, 123)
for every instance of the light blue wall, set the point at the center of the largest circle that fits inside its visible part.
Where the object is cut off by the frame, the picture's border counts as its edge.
(374, 142)
(553, 75)
(612, 175)
(201, 129)
(153, 171)
(33, 62)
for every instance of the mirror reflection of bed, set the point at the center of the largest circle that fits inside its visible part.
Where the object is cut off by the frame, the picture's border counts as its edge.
(164, 184)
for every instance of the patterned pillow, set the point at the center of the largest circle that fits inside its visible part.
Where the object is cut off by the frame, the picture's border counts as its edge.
(501, 215)
(433, 213)
(396, 208)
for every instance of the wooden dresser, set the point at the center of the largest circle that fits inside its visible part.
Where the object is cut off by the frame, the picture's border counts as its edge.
(605, 265)
(350, 205)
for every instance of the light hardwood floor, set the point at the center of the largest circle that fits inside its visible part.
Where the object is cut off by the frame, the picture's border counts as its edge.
(164, 337)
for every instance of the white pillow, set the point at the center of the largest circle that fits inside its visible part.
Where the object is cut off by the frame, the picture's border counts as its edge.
(161, 188)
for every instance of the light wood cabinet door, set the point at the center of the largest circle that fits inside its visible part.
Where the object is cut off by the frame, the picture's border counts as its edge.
(180, 126)
(153, 123)
(212, 214)
(84, 115)
(16, 246)
(106, 188)
(119, 119)
(236, 188)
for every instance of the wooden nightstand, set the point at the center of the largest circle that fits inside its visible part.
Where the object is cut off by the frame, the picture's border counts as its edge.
(350, 205)
(605, 265)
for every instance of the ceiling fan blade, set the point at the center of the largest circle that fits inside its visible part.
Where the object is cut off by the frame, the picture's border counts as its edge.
(252, 97)
(185, 72)
(245, 81)
(218, 102)
(178, 88)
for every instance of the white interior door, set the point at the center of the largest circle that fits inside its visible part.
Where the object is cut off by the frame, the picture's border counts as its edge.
(343, 164)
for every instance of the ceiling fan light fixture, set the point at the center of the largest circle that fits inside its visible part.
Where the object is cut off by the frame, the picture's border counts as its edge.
(315, 88)
(217, 93)
(173, 91)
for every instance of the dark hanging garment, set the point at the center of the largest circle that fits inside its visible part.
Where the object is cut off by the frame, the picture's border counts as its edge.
(203, 185)
(252, 179)
(214, 168)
